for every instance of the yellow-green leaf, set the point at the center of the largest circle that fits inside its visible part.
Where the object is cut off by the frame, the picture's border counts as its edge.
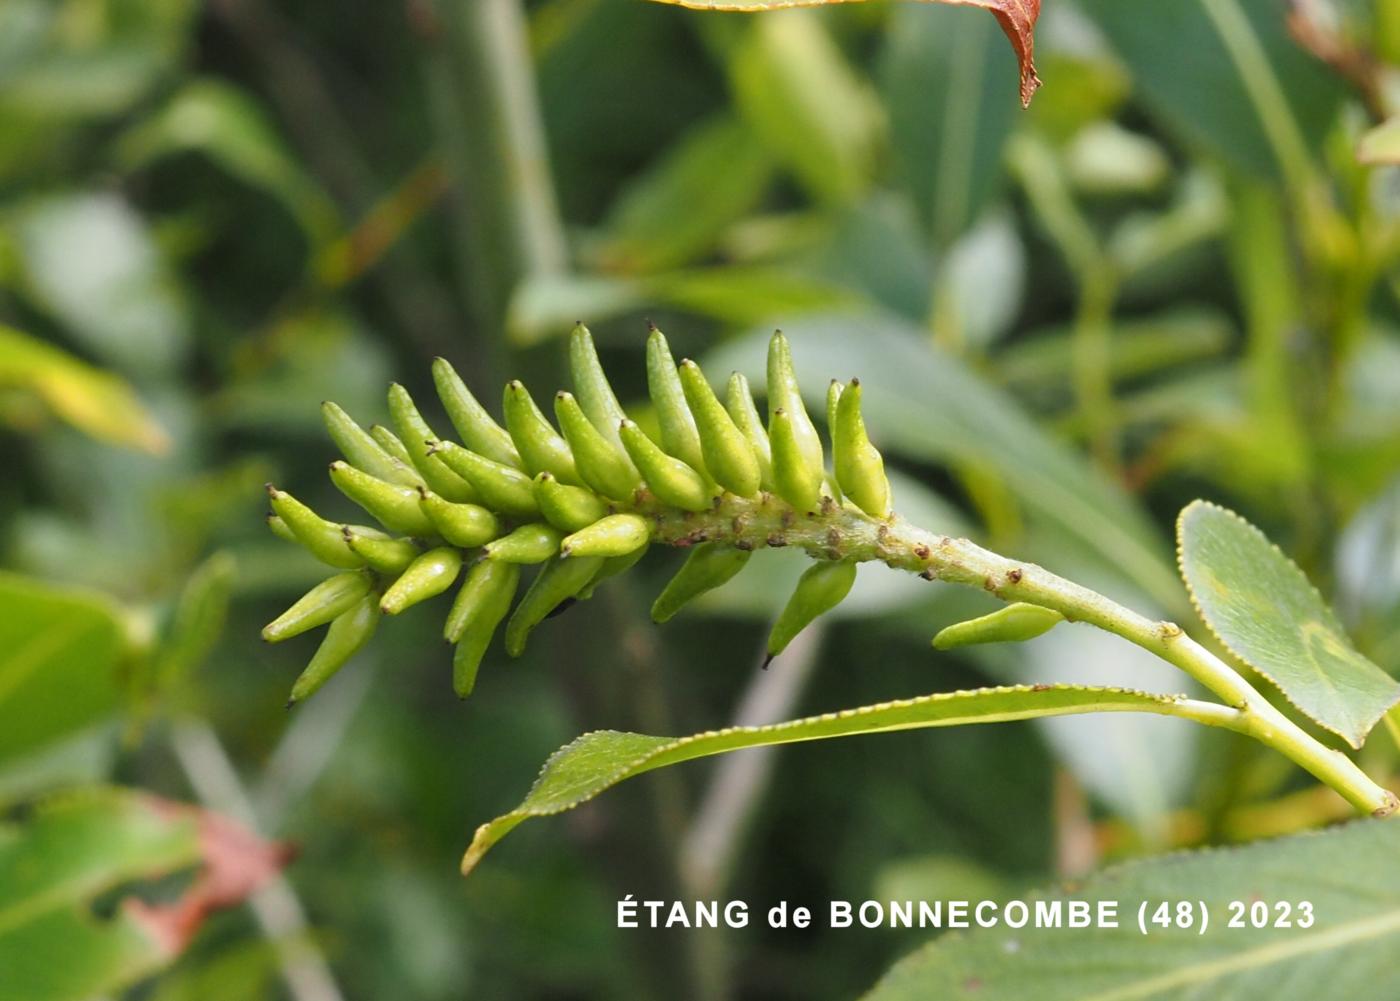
(1266, 612)
(597, 761)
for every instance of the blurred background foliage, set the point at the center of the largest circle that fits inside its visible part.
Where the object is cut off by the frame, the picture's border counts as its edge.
(1172, 277)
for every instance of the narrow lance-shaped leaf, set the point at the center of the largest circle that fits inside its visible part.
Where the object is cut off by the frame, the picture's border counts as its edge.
(597, 761)
(1016, 17)
(1261, 606)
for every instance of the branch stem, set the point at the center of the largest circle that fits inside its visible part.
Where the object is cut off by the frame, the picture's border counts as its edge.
(840, 533)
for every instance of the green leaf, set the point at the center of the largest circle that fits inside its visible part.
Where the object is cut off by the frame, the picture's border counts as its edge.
(59, 654)
(597, 761)
(221, 122)
(1209, 105)
(91, 262)
(73, 851)
(1347, 875)
(74, 848)
(95, 402)
(1265, 611)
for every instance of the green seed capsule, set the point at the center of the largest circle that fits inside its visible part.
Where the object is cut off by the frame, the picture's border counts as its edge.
(672, 481)
(820, 589)
(709, 565)
(362, 451)
(611, 568)
(501, 488)
(794, 479)
(390, 442)
(321, 537)
(784, 394)
(426, 577)
(465, 525)
(739, 403)
(860, 470)
(540, 447)
(475, 426)
(279, 528)
(346, 637)
(394, 506)
(615, 535)
(1015, 623)
(558, 581)
(567, 508)
(416, 435)
(533, 543)
(833, 403)
(601, 464)
(595, 393)
(480, 607)
(679, 436)
(728, 456)
(326, 601)
(388, 556)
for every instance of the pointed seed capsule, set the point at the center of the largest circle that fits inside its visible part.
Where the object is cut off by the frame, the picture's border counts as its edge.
(474, 425)
(324, 602)
(321, 537)
(362, 451)
(820, 589)
(794, 479)
(602, 465)
(673, 482)
(833, 402)
(394, 506)
(533, 543)
(346, 637)
(679, 436)
(465, 525)
(426, 577)
(387, 556)
(416, 434)
(279, 528)
(540, 447)
(480, 607)
(558, 581)
(728, 456)
(595, 393)
(615, 535)
(567, 508)
(501, 488)
(1015, 623)
(390, 442)
(611, 567)
(739, 403)
(708, 566)
(785, 394)
(860, 469)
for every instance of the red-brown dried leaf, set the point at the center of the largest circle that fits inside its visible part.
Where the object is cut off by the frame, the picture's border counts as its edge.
(1017, 19)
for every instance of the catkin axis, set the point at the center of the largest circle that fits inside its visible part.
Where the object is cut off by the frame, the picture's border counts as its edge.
(821, 588)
